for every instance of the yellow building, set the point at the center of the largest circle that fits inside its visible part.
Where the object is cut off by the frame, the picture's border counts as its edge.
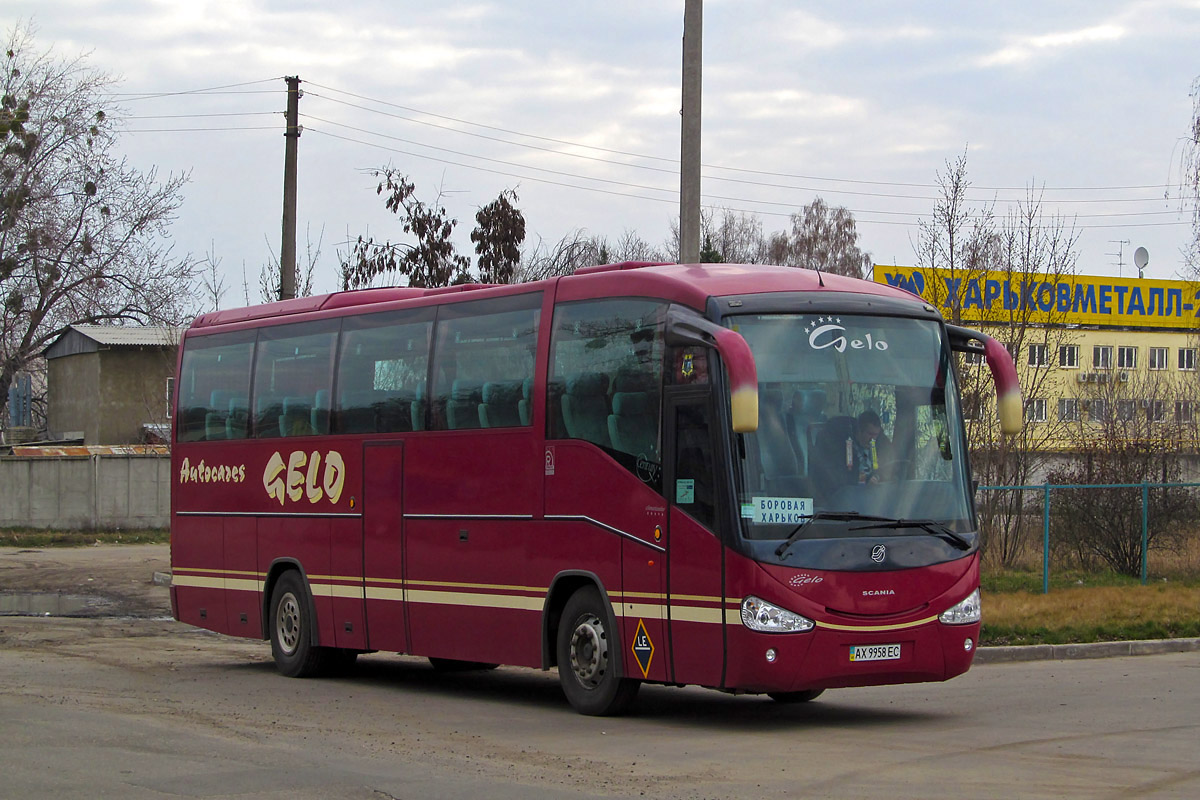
(1096, 355)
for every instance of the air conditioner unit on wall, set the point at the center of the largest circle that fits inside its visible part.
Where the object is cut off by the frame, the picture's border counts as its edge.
(1091, 377)
(1082, 377)
(1123, 376)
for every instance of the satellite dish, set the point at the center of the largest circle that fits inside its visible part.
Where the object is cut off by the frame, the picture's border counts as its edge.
(1141, 257)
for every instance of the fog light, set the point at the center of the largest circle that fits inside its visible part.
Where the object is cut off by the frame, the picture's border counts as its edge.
(967, 645)
(771, 655)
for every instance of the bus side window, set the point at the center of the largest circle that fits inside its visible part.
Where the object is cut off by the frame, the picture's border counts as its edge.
(382, 369)
(605, 385)
(294, 363)
(215, 372)
(485, 352)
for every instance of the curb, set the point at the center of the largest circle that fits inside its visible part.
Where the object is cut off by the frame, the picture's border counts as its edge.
(1060, 652)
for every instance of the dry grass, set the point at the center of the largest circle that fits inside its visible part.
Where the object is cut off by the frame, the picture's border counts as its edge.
(1087, 614)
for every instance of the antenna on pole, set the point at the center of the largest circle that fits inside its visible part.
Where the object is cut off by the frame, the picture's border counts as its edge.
(1120, 254)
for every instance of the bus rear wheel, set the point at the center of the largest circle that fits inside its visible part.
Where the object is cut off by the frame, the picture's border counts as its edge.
(291, 631)
(806, 696)
(588, 654)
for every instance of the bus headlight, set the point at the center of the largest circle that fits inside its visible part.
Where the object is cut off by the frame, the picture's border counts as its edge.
(964, 613)
(759, 615)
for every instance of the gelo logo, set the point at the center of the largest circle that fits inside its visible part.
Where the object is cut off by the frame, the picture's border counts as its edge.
(304, 475)
(833, 336)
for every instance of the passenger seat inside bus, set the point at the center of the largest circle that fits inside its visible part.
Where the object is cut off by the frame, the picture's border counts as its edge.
(803, 420)
(294, 421)
(319, 418)
(775, 448)
(633, 423)
(499, 408)
(214, 418)
(462, 411)
(237, 424)
(585, 408)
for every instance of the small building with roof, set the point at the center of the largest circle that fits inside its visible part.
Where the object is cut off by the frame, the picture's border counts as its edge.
(111, 385)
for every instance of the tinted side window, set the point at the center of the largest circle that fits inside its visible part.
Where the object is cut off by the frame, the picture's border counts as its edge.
(381, 372)
(293, 378)
(213, 379)
(483, 362)
(606, 379)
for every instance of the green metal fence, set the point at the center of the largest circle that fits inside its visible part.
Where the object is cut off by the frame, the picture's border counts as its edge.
(1046, 488)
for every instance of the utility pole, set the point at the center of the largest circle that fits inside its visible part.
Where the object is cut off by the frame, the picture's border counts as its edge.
(689, 160)
(287, 252)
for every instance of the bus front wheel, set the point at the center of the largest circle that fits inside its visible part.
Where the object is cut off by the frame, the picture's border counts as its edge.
(587, 658)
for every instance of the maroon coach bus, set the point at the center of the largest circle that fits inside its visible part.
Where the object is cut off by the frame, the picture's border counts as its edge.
(748, 478)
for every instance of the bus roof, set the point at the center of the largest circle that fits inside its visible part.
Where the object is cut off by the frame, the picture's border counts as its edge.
(689, 284)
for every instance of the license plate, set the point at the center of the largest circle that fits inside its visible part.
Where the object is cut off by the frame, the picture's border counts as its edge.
(874, 652)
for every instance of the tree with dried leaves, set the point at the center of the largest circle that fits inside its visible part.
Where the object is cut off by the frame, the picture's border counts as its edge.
(433, 259)
(82, 232)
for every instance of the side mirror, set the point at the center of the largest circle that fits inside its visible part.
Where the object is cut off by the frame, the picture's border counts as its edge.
(687, 328)
(1004, 373)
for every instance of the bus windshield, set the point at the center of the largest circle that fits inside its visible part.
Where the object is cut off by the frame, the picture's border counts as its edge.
(858, 417)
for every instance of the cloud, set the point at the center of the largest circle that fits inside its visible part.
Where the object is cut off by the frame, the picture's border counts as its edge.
(1028, 48)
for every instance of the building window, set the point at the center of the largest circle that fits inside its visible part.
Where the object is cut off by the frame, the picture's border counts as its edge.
(973, 358)
(1102, 356)
(1125, 410)
(1183, 411)
(1035, 410)
(1068, 409)
(1126, 358)
(1158, 357)
(1068, 356)
(1098, 410)
(1187, 358)
(1039, 355)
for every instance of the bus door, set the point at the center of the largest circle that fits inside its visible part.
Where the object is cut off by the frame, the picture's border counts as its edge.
(695, 554)
(382, 545)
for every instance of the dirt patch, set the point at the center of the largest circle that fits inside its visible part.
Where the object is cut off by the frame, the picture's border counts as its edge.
(109, 580)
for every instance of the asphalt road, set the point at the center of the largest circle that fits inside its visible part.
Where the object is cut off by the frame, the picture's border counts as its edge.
(136, 708)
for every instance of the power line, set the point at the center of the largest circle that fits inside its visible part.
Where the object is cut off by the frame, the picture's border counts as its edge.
(644, 187)
(199, 116)
(710, 166)
(671, 200)
(133, 96)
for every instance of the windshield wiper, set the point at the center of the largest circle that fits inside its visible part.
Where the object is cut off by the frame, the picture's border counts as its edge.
(932, 527)
(840, 516)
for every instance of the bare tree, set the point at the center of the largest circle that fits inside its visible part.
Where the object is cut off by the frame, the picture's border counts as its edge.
(82, 233)
(731, 237)
(574, 250)
(822, 237)
(212, 283)
(1191, 182)
(1126, 432)
(269, 273)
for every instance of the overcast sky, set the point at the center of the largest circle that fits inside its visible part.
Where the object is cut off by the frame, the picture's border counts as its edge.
(576, 106)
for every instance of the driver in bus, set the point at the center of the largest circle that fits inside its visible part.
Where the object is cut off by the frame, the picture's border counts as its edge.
(852, 450)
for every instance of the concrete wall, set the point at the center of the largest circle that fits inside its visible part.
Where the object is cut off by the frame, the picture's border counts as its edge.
(85, 492)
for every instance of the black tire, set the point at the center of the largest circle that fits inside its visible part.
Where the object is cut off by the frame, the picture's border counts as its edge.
(806, 696)
(589, 655)
(291, 630)
(454, 665)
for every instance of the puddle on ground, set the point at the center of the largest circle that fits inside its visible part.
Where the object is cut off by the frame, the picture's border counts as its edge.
(51, 604)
